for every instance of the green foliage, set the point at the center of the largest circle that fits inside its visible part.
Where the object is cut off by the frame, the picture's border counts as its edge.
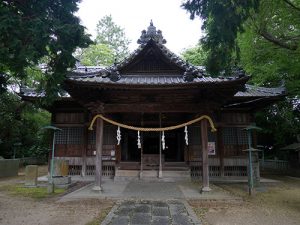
(281, 122)
(21, 123)
(110, 45)
(270, 62)
(112, 35)
(37, 193)
(96, 55)
(264, 39)
(30, 30)
(222, 21)
(278, 23)
(269, 51)
(195, 55)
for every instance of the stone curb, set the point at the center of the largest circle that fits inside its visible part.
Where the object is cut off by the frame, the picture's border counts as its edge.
(111, 214)
(191, 213)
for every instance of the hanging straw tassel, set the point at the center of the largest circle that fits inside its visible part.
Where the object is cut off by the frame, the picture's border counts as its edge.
(163, 143)
(139, 140)
(118, 135)
(186, 136)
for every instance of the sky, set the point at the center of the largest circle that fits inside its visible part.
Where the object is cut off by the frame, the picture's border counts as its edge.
(135, 15)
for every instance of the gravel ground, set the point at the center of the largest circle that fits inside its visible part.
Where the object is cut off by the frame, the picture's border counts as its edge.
(16, 210)
(273, 204)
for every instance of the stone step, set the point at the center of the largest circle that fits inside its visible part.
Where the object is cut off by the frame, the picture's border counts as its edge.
(167, 175)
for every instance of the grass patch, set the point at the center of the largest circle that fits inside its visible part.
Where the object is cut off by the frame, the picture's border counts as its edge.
(32, 192)
(98, 219)
(201, 212)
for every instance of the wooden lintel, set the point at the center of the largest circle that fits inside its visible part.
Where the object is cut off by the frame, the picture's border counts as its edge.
(118, 108)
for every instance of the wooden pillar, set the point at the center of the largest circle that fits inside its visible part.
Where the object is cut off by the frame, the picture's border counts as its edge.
(221, 150)
(205, 166)
(160, 175)
(98, 160)
(84, 150)
(142, 146)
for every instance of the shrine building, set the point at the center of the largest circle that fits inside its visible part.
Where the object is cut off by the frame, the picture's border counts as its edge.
(197, 120)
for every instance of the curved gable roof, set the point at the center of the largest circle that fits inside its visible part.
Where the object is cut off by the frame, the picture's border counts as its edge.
(151, 63)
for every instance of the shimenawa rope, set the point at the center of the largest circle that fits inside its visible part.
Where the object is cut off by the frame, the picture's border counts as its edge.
(153, 129)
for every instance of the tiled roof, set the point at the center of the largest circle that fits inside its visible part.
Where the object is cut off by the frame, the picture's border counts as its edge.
(254, 91)
(251, 91)
(149, 38)
(30, 92)
(88, 70)
(147, 79)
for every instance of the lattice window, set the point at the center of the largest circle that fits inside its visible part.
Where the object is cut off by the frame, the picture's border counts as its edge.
(229, 136)
(242, 137)
(92, 137)
(75, 135)
(69, 135)
(61, 137)
(234, 136)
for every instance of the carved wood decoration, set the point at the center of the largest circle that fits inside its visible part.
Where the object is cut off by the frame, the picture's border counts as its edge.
(96, 107)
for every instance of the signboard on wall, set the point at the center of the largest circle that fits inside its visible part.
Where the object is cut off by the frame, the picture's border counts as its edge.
(211, 148)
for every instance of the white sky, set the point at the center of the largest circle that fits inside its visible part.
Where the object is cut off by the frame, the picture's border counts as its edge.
(135, 15)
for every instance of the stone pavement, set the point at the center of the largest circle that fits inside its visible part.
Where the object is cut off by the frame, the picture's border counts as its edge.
(145, 212)
(149, 190)
(151, 202)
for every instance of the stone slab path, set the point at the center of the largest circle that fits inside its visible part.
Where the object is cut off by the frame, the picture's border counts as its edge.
(144, 212)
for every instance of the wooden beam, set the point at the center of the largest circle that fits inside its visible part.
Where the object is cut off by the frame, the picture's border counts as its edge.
(205, 166)
(98, 160)
(156, 108)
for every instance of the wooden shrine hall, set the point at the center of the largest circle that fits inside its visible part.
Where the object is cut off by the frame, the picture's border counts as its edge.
(154, 88)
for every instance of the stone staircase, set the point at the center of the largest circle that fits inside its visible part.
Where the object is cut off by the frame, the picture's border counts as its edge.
(171, 171)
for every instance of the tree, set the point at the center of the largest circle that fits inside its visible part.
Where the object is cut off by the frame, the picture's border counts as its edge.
(30, 30)
(112, 35)
(269, 47)
(269, 51)
(109, 46)
(277, 21)
(195, 55)
(223, 20)
(264, 39)
(96, 55)
(21, 123)
(34, 32)
(280, 122)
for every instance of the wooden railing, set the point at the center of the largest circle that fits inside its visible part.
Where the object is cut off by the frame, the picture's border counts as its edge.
(75, 170)
(233, 167)
(75, 166)
(274, 164)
